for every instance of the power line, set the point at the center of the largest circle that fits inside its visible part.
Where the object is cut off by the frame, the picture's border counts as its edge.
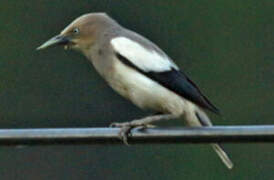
(222, 134)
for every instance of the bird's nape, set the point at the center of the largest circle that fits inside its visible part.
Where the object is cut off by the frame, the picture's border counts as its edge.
(139, 70)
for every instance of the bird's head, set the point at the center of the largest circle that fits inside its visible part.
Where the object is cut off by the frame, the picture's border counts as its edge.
(81, 34)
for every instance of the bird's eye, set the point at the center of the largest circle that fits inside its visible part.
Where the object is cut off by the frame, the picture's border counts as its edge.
(75, 31)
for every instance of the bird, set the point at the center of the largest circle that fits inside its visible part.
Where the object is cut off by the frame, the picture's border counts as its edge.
(137, 69)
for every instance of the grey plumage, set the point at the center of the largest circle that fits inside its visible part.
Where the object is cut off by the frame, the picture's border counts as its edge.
(138, 70)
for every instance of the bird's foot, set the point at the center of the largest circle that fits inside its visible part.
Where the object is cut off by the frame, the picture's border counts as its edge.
(126, 127)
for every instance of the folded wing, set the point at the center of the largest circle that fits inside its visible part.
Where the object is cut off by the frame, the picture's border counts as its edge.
(158, 67)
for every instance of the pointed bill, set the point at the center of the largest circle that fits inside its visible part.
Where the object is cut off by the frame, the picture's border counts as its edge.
(56, 40)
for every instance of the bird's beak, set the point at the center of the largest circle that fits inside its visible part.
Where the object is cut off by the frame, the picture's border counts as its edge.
(56, 40)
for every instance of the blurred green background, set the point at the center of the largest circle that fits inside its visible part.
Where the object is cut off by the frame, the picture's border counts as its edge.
(226, 47)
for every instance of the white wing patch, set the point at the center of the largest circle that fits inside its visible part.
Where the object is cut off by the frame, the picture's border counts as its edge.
(144, 59)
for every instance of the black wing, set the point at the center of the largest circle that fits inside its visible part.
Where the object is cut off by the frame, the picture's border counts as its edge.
(177, 82)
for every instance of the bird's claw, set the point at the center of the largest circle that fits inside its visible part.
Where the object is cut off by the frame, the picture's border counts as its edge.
(124, 134)
(115, 124)
(124, 130)
(126, 127)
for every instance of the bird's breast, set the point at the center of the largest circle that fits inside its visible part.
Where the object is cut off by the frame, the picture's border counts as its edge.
(142, 91)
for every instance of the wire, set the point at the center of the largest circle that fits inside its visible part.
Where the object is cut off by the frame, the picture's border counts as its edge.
(223, 134)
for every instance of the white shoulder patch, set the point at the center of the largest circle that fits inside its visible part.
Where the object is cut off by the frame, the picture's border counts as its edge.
(145, 59)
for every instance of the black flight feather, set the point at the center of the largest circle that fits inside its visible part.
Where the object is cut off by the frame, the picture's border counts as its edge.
(177, 82)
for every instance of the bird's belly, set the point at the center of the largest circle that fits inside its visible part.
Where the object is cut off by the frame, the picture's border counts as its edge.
(144, 92)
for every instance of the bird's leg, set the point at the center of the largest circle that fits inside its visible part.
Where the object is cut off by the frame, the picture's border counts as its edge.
(143, 123)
